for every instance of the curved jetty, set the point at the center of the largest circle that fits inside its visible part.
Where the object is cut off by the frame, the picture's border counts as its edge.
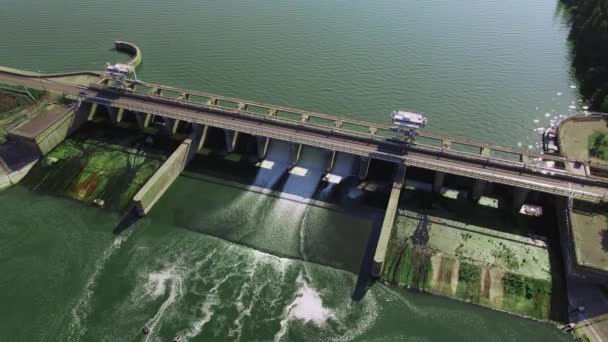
(130, 49)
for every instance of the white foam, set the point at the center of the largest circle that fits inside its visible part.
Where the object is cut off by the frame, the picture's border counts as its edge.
(559, 94)
(157, 282)
(157, 285)
(308, 306)
(81, 310)
(207, 309)
(547, 115)
(572, 86)
(536, 121)
(211, 301)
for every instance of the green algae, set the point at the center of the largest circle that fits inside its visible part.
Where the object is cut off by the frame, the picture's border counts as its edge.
(453, 249)
(527, 296)
(99, 162)
(469, 280)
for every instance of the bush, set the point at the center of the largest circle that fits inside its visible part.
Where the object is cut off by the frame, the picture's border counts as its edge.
(598, 145)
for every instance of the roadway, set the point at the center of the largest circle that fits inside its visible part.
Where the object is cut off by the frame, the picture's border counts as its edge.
(558, 183)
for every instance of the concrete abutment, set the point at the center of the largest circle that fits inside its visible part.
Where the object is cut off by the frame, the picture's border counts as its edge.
(389, 222)
(158, 184)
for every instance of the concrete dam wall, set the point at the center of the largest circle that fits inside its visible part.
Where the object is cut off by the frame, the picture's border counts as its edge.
(151, 192)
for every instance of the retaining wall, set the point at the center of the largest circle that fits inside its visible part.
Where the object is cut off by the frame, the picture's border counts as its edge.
(46, 132)
(156, 186)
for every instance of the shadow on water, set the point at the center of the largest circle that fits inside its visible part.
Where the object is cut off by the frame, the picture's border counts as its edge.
(128, 220)
(364, 276)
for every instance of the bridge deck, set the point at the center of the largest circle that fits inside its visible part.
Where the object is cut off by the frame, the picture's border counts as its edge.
(504, 171)
(380, 131)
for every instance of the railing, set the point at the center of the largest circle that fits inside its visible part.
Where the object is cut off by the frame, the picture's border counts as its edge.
(374, 130)
(362, 150)
(532, 164)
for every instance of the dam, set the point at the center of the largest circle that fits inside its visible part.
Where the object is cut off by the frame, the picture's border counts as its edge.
(243, 126)
(237, 248)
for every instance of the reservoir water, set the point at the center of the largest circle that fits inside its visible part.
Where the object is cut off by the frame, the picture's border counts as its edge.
(228, 257)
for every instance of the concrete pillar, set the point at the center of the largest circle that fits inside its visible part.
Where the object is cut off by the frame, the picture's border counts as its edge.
(519, 197)
(364, 167)
(446, 144)
(119, 115)
(478, 189)
(115, 114)
(143, 119)
(92, 112)
(175, 126)
(389, 222)
(438, 181)
(203, 138)
(330, 161)
(263, 143)
(156, 91)
(296, 153)
(486, 152)
(231, 139)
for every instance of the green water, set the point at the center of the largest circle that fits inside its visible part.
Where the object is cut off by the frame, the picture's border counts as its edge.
(214, 261)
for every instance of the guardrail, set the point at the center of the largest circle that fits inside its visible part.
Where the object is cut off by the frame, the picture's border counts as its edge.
(532, 165)
(361, 150)
(372, 128)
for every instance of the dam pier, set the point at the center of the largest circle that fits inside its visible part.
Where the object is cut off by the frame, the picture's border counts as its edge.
(432, 162)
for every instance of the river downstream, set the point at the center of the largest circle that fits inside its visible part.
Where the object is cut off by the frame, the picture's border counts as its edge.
(243, 254)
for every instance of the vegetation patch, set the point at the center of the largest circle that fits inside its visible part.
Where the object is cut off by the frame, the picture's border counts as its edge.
(598, 145)
(506, 255)
(87, 167)
(527, 296)
(407, 266)
(449, 249)
(588, 33)
(469, 282)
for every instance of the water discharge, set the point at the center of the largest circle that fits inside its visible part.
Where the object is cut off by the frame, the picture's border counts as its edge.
(82, 308)
(225, 259)
(344, 167)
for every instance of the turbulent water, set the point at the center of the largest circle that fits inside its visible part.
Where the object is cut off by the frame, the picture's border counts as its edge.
(233, 257)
